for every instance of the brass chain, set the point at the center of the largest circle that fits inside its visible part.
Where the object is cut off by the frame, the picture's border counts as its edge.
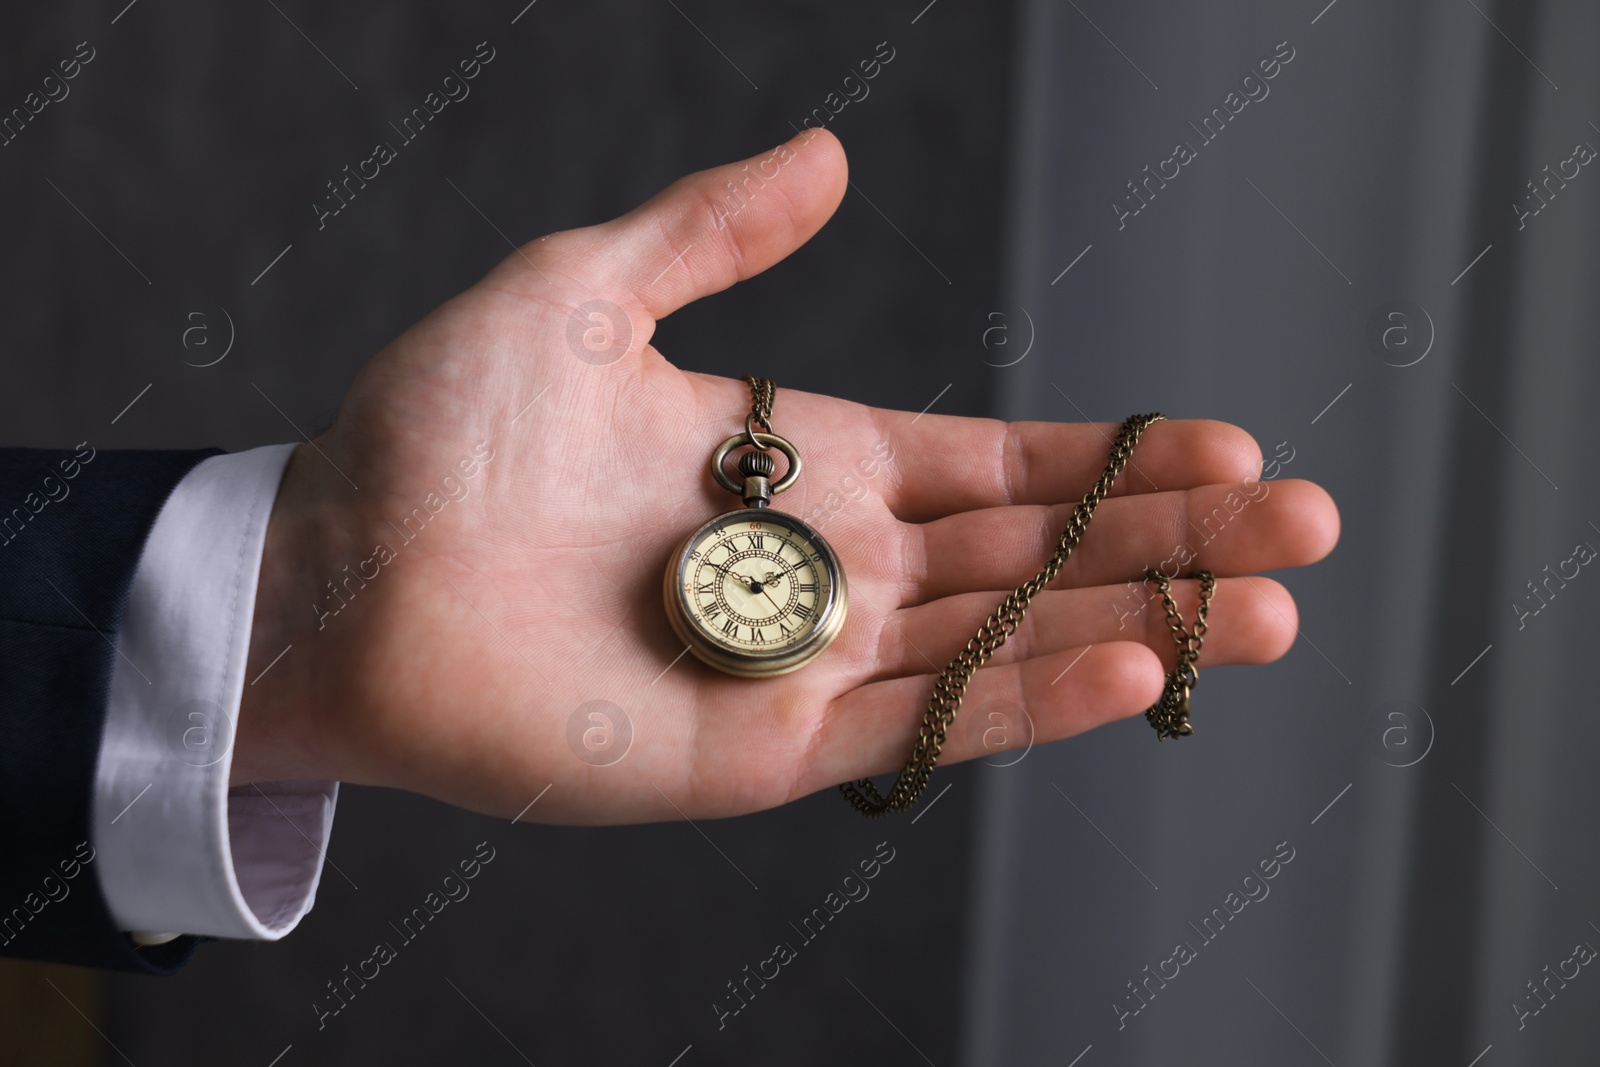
(759, 420)
(1170, 714)
(951, 684)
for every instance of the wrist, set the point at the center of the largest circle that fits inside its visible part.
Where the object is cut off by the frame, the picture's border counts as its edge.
(274, 738)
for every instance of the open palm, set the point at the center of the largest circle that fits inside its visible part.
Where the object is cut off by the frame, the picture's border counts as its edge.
(507, 480)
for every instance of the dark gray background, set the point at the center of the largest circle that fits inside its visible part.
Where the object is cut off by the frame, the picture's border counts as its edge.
(197, 140)
(1384, 161)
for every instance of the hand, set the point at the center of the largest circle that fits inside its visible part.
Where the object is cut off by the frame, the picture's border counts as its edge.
(728, 571)
(508, 596)
(759, 585)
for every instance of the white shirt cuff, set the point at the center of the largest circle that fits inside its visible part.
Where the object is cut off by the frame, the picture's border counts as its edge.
(175, 848)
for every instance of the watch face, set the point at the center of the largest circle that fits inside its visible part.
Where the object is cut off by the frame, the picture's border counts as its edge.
(756, 592)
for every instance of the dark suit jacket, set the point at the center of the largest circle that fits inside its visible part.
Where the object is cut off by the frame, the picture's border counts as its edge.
(72, 525)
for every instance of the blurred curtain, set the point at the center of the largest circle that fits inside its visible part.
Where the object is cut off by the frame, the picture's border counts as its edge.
(1350, 261)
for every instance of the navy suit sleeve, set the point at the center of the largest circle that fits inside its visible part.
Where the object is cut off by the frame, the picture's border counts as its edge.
(72, 526)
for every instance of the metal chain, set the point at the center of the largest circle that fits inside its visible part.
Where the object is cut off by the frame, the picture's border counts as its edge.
(1170, 714)
(951, 684)
(759, 420)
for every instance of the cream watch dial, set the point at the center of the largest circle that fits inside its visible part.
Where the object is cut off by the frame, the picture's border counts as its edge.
(756, 592)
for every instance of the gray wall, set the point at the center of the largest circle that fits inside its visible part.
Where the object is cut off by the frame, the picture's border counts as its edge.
(1386, 158)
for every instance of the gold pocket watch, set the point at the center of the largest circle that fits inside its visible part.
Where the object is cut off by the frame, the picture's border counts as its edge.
(756, 592)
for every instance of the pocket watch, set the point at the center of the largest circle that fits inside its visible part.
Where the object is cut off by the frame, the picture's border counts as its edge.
(755, 592)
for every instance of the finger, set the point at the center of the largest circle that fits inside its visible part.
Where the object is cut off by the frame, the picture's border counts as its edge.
(1250, 620)
(869, 730)
(946, 465)
(1229, 530)
(705, 231)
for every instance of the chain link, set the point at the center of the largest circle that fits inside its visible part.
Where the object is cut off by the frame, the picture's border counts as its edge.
(951, 684)
(1170, 715)
(759, 420)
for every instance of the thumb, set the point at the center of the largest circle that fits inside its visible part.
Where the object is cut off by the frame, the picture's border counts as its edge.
(710, 229)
